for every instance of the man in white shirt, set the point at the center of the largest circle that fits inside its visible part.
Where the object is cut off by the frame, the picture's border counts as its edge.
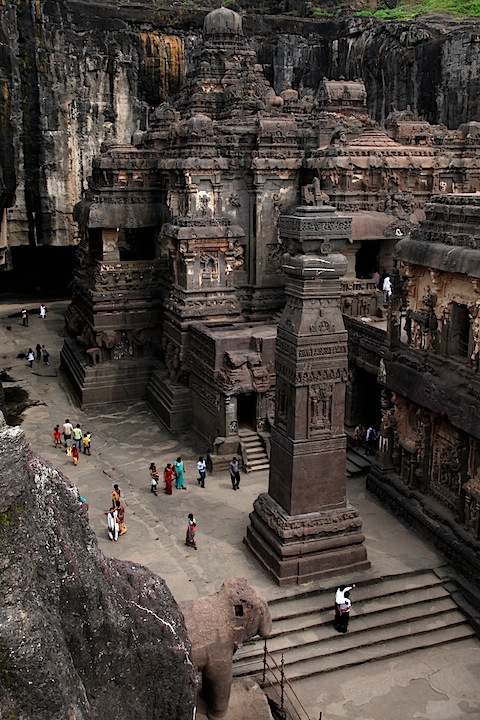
(339, 601)
(67, 431)
(387, 289)
(202, 471)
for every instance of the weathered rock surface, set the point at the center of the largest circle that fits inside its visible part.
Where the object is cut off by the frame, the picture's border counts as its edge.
(73, 74)
(81, 636)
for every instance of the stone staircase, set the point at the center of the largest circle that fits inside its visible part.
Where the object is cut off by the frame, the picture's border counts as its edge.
(357, 462)
(254, 455)
(392, 616)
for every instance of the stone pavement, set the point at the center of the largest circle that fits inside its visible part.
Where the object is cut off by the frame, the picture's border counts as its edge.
(438, 684)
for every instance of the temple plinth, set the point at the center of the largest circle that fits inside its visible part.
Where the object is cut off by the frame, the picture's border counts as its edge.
(304, 527)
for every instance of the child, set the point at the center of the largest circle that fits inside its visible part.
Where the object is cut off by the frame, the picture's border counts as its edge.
(57, 435)
(75, 454)
(87, 438)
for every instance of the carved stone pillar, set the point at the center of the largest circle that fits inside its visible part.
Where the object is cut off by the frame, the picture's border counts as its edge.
(304, 527)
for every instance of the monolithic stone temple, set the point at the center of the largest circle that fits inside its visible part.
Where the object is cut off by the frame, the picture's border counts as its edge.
(179, 284)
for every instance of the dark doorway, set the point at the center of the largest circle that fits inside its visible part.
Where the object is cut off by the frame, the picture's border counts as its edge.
(459, 330)
(366, 259)
(364, 400)
(247, 410)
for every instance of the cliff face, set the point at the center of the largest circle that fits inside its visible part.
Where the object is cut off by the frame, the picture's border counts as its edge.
(80, 636)
(73, 74)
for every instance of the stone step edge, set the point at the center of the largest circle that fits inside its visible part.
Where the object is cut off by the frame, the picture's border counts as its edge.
(321, 607)
(353, 632)
(379, 643)
(349, 659)
(359, 615)
(361, 585)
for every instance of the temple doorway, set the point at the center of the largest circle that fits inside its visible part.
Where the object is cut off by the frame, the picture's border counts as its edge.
(247, 410)
(363, 403)
(366, 259)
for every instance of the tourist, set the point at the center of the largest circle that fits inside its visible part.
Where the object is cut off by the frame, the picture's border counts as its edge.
(46, 355)
(43, 311)
(191, 531)
(179, 474)
(77, 436)
(370, 438)
(234, 473)
(168, 474)
(38, 348)
(202, 471)
(359, 436)
(339, 601)
(344, 611)
(154, 478)
(25, 318)
(75, 454)
(57, 435)
(87, 440)
(387, 289)
(112, 523)
(30, 357)
(116, 493)
(376, 277)
(67, 431)
(122, 528)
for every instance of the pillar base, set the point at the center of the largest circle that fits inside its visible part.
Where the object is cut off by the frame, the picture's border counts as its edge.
(298, 549)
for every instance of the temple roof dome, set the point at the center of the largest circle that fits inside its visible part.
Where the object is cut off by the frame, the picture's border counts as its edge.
(223, 21)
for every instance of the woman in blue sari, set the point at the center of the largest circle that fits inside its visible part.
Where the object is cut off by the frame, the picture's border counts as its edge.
(180, 477)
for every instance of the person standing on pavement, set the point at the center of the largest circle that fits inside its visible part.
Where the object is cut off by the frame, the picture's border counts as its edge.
(43, 311)
(75, 454)
(339, 601)
(202, 471)
(191, 531)
(168, 474)
(116, 493)
(234, 473)
(30, 357)
(179, 474)
(77, 435)
(154, 478)
(87, 441)
(67, 432)
(25, 318)
(46, 355)
(38, 348)
(57, 436)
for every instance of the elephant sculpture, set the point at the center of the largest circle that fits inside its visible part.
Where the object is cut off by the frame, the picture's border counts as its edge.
(216, 626)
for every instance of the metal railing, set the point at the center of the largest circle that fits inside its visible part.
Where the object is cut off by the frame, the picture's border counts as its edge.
(277, 687)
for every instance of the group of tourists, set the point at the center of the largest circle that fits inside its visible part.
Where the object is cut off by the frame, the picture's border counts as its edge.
(173, 473)
(116, 525)
(40, 352)
(74, 440)
(367, 438)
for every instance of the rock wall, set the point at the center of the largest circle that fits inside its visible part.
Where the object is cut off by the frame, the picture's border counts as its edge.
(81, 636)
(74, 74)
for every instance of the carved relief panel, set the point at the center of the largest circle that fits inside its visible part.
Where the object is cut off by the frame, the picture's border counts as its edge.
(320, 409)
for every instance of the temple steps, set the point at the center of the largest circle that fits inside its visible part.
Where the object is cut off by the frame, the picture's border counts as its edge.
(357, 463)
(390, 617)
(253, 451)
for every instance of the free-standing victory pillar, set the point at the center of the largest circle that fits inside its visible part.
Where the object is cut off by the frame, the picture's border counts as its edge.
(304, 527)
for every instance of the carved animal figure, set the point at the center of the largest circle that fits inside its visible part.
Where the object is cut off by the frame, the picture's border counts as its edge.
(216, 626)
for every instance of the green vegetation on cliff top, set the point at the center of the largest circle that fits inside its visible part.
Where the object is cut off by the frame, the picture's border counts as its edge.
(408, 9)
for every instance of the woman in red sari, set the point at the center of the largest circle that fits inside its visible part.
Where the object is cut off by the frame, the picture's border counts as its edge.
(168, 476)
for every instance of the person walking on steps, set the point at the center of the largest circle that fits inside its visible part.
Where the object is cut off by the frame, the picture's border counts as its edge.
(339, 602)
(202, 471)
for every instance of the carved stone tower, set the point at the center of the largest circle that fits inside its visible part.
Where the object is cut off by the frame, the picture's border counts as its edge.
(304, 527)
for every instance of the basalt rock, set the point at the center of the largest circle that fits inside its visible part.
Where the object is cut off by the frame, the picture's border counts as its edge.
(81, 636)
